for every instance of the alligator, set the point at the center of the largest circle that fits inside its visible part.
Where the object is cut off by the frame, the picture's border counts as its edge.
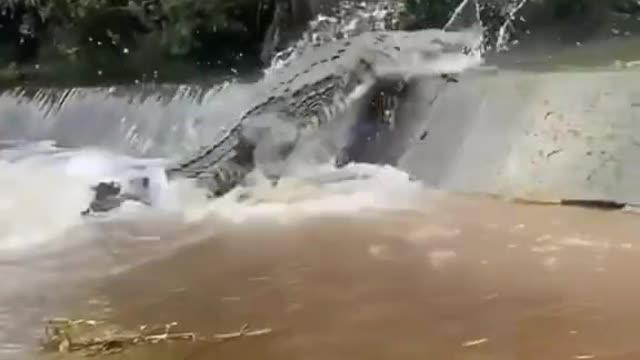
(314, 89)
(317, 87)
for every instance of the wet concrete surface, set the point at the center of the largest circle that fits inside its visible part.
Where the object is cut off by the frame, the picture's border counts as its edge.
(469, 278)
(568, 135)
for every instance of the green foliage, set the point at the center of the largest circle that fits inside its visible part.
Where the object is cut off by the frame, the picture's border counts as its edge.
(567, 8)
(135, 37)
(432, 13)
(181, 20)
(626, 6)
(176, 23)
(127, 39)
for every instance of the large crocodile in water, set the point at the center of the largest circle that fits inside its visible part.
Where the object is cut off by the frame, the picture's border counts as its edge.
(317, 87)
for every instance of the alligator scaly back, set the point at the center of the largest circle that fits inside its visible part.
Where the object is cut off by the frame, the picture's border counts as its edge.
(311, 90)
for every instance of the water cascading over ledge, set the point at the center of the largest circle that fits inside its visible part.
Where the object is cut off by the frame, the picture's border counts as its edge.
(144, 120)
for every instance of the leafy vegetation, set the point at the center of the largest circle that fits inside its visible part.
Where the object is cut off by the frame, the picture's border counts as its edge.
(88, 41)
(432, 12)
(95, 35)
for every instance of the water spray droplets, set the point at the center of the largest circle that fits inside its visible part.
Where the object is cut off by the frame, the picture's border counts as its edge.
(504, 34)
(348, 19)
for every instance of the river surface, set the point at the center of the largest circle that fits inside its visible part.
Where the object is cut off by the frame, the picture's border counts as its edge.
(356, 263)
(428, 275)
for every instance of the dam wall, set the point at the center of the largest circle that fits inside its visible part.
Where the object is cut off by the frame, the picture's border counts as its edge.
(144, 120)
(541, 135)
(538, 135)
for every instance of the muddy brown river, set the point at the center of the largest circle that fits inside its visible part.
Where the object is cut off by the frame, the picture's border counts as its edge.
(451, 277)
(465, 278)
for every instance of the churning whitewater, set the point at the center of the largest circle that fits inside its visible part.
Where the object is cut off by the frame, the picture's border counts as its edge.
(44, 190)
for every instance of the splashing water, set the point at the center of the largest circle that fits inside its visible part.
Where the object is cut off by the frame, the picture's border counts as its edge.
(352, 18)
(45, 188)
(317, 191)
(349, 19)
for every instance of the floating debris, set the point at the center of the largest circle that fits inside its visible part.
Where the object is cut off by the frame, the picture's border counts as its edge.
(476, 342)
(585, 356)
(65, 336)
(244, 331)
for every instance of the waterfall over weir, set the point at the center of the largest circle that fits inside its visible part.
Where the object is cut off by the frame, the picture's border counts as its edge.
(144, 120)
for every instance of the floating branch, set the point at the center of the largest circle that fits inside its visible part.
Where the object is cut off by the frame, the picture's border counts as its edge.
(61, 335)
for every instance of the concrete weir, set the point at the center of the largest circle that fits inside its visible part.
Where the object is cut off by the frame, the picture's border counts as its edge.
(151, 120)
(537, 135)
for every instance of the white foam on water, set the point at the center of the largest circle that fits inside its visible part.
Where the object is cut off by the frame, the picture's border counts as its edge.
(316, 191)
(43, 190)
(43, 193)
(36, 203)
